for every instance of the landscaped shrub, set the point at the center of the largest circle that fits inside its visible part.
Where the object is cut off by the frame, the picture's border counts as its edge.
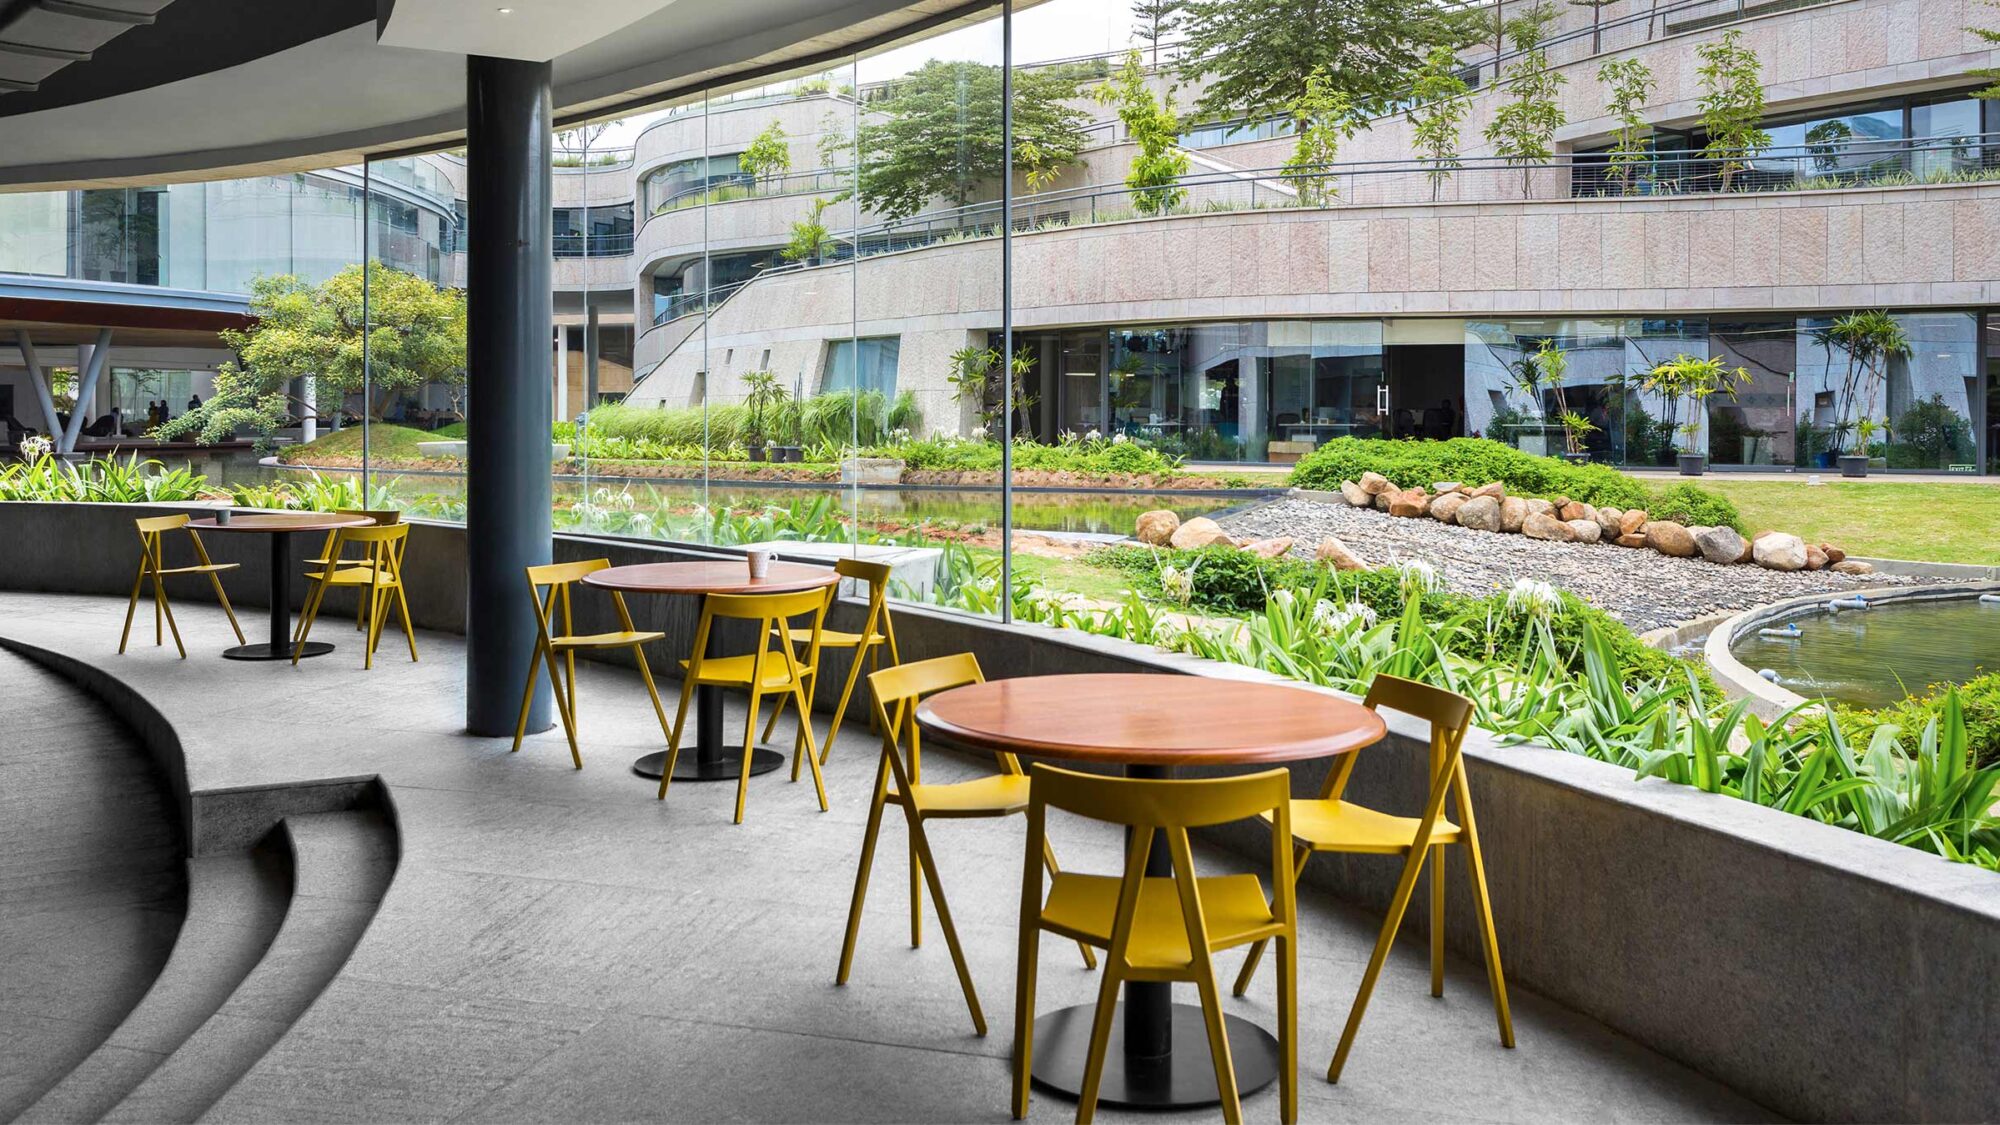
(1979, 696)
(1694, 507)
(1093, 458)
(1470, 461)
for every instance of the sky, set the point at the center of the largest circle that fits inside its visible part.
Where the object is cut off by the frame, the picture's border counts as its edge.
(1057, 29)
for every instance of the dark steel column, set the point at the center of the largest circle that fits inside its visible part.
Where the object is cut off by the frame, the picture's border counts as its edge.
(589, 353)
(510, 246)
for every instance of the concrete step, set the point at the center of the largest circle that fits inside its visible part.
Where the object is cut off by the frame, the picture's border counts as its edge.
(342, 865)
(235, 905)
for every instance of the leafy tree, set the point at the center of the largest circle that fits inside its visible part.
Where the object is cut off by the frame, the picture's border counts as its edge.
(1732, 103)
(1991, 38)
(1154, 20)
(1256, 55)
(1523, 129)
(1438, 105)
(834, 141)
(1151, 124)
(1870, 340)
(1321, 117)
(811, 240)
(1628, 84)
(416, 335)
(939, 136)
(769, 155)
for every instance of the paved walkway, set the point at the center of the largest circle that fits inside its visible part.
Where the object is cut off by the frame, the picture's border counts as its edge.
(558, 946)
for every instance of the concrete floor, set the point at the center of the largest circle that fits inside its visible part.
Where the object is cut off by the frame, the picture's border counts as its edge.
(558, 946)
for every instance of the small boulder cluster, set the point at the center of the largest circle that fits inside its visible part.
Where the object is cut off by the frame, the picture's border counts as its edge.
(1163, 528)
(1487, 507)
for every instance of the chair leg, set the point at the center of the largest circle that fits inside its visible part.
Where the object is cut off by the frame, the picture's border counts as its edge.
(1100, 1038)
(1299, 858)
(313, 602)
(749, 748)
(916, 900)
(805, 747)
(840, 709)
(132, 608)
(929, 864)
(160, 599)
(1218, 1046)
(1028, 962)
(378, 609)
(674, 739)
(1437, 919)
(868, 840)
(534, 675)
(410, 635)
(1049, 862)
(222, 597)
(771, 727)
(1288, 1029)
(1405, 888)
(1489, 938)
(652, 691)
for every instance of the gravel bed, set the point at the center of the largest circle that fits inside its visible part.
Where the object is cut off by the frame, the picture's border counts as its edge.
(1642, 587)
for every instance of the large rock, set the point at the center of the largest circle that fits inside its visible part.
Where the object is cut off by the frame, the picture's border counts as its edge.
(1670, 538)
(1199, 532)
(1156, 528)
(1633, 540)
(1780, 551)
(1382, 499)
(1608, 520)
(1749, 552)
(1336, 553)
(1355, 495)
(1495, 489)
(1815, 558)
(1632, 521)
(1445, 508)
(1374, 484)
(1833, 553)
(1269, 548)
(1574, 510)
(1513, 513)
(1446, 487)
(1481, 513)
(1538, 507)
(1410, 503)
(1587, 531)
(1539, 526)
(1719, 545)
(1852, 566)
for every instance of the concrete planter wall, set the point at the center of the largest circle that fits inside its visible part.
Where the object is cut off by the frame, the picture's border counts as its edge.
(1824, 973)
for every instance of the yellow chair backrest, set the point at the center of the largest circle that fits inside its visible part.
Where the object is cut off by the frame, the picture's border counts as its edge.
(874, 573)
(375, 533)
(562, 574)
(153, 525)
(765, 606)
(1448, 713)
(898, 688)
(1165, 803)
(379, 515)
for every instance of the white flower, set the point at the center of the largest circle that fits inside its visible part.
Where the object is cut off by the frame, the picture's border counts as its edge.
(1177, 584)
(1283, 598)
(1417, 577)
(1533, 598)
(34, 447)
(1333, 620)
(1093, 435)
(1118, 439)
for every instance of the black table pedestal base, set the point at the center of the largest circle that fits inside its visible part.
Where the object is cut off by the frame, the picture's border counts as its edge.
(726, 766)
(1184, 1077)
(274, 652)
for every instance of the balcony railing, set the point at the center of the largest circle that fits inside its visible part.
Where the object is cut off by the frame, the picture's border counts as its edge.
(742, 185)
(595, 246)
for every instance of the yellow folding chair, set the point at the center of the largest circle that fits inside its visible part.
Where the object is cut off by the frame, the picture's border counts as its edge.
(152, 565)
(379, 581)
(558, 578)
(896, 692)
(1160, 928)
(1330, 824)
(380, 516)
(877, 634)
(771, 670)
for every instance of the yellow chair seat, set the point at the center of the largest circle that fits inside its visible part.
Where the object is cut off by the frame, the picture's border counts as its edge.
(206, 568)
(605, 640)
(1337, 826)
(1233, 906)
(997, 795)
(736, 670)
(834, 638)
(355, 576)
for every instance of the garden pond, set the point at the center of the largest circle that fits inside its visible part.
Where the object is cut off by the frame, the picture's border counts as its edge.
(1875, 657)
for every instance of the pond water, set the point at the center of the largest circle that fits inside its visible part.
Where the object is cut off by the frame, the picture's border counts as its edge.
(1874, 657)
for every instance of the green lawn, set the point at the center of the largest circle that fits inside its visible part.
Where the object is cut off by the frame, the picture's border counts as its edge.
(1935, 522)
(385, 439)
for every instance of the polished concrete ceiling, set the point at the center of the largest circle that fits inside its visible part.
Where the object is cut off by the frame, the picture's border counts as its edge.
(217, 88)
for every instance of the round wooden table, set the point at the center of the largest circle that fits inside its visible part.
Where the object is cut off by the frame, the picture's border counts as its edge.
(1150, 724)
(712, 760)
(279, 526)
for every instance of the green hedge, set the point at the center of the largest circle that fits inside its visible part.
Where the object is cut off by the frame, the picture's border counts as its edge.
(1475, 461)
(830, 417)
(1096, 458)
(1232, 580)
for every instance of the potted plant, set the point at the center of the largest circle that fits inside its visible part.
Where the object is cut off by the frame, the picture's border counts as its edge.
(1687, 381)
(1870, 340)
(765, 394)
(1575, 429)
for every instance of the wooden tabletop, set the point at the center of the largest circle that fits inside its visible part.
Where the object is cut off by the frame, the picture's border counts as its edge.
(270, 520)
(1150, 720)
(717, 576)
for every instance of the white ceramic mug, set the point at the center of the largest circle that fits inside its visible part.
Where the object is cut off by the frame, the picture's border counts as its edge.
(760, 564)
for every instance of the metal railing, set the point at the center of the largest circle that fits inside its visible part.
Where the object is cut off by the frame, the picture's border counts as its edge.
(594, 246)
(742, 185)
